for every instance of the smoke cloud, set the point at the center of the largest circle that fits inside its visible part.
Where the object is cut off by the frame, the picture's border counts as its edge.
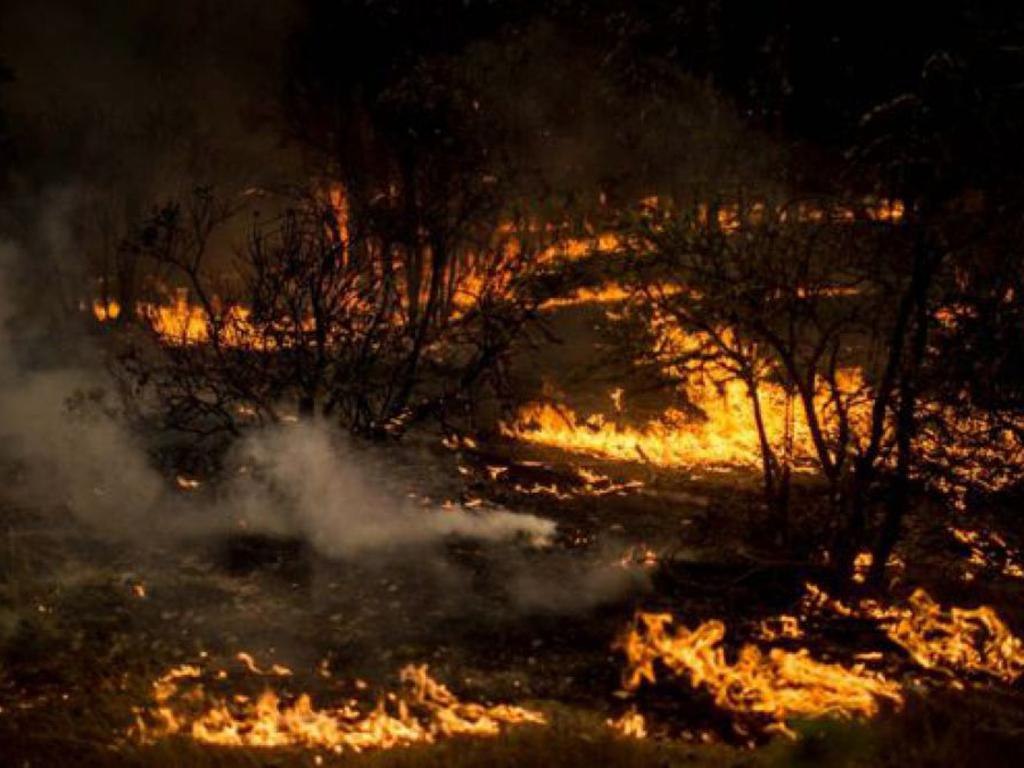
(64, 434)
(63, 427)
(303, 478)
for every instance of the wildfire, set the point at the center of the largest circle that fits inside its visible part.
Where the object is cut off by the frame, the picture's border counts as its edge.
(960, 639)
(604, 294)
(180, 322)
(955, 640)
(970, 449)
(782, 627)
(725, 436)
(767, 688)
(671, 441)
(631, 724)
(988, 550)
(423, 711)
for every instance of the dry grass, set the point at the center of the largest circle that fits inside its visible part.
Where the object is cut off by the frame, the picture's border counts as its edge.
(70, 676)
(944, 730)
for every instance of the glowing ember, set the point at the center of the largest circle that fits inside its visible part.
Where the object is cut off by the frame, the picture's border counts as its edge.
(639, 556)
(104, 311)
(631, 724)
(988, 550)
(424, 711)
(250, 664)
(970, 450)
(861, 566)
(186, 483)
(782, 627)
(768, 687)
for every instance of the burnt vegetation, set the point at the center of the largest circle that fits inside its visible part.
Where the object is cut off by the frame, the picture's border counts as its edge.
(652, 371)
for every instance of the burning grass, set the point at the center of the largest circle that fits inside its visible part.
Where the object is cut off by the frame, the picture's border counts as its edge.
(765, 691)
(422, 712)
(958, 639)
(196, 717)
(761, 690)
(720, 432)
(955, 641)
(746, 692)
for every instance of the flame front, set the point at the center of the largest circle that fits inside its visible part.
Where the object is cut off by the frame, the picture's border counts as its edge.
(768, 687)
(725, 436)
(424, 711)
(972, 641)
(958, 640)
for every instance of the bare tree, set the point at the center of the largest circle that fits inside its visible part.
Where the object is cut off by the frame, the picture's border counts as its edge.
(796, 295)
(330, 311)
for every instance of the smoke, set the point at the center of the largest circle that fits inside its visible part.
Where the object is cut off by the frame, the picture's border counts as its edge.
(58, 425)
(138, 103)
(74, 450)
(347, 502)
(564, 585)
(596, 126)
(304, 478)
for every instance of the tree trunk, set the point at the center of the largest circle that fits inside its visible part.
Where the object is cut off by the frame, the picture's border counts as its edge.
(906, 425)
(850, 505)
(776, 478)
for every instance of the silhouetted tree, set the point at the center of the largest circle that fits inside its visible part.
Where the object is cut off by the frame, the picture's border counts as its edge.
(324, 311)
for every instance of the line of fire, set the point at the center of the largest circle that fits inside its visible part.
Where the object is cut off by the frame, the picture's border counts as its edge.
(522, 383)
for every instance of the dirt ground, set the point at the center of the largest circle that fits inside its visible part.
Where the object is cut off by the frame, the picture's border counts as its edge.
(86, 623)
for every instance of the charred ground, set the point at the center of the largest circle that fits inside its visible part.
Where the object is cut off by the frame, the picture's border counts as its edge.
(650, 369)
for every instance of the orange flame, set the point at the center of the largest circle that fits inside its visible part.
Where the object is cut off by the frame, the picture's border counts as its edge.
(988, 550)
(954, 640)
(106, 310)
(425, 711)
(773, 686)
(631, 725)
(782, 627)
(726, 436)
(960, 639)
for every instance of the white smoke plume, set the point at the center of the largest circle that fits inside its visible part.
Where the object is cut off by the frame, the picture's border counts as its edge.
(61, 424)
(56, 422)
(302, 477)
(566, 586)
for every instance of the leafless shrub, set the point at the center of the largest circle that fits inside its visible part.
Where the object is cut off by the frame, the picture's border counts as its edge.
(334, 312)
